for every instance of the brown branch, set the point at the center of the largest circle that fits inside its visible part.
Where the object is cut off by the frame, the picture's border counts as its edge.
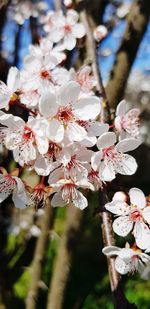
(108, 236)
(107, 231)
(137, 21)
(37, 264)
(64, 258)
(57, 5)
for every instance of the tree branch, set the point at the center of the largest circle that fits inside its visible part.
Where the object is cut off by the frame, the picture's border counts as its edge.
(137, 21)
(64, 258)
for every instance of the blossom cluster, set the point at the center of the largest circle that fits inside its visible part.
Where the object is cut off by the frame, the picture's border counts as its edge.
(63, 139)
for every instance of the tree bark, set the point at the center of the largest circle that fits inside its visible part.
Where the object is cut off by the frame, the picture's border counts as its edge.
(38, 260)
(137, 21)
(64, 258)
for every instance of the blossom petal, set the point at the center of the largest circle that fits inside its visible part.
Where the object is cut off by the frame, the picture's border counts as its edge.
(75, 132)
(78, 30)
(119, 208)
(87, 108)
(10, 121)
(47, 104)
(5, 95)
(142, 235)
(13, 79)
(55, 131)
(146, 214)
(42, 144)
(121, 108)
(122, 226)
(19, 196)
(122, 267)
(127, 165)
(96, 160)
(106, 171)
(106, 140)
(111, 250)
(68, 93)
(69, 41)
(81, 201)
(128, 144)
(137, 197)
(57, 200)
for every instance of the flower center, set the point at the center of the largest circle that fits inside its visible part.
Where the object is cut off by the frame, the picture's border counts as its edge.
(65, 114)
(69, 192)
(45, 74)
(109, 153)
(135, 215)
(28, 134)
(53, 150)
(67, 28)
(72, 163)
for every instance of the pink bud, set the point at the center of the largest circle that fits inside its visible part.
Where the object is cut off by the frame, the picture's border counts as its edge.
(100, 32)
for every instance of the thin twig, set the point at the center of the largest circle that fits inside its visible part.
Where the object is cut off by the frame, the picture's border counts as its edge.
(39, 255)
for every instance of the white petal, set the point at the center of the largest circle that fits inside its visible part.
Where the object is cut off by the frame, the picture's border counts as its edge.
(146, 214)
(87, 108)
(41, 166)
(106, 140)
(106, 171)
(19, 196)
(75, 132)
(69, 41)
(137, 197)
(57, 200)
(96, 160)
(69, 93)
(5, 95)
(111, 250)
(128, 144)
(118, 208)
(142, 235)
(78, 30)
(122, 267)
(55, 131)
(13, 79)
(127, 166)
(10, 121)
(42, 144)
(122, 226)
(97, 129)
(47, 104)
(121, 108)
(4, 193)
(81, 201)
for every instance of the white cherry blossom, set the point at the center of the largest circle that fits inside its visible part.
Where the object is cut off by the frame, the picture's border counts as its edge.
(84, 77)
(111, 159)
(64, 29)
(68, 193)
(7, 92)
(127, 122)
(65, 109)
(128, 260)
(11, 184)
(24, 139)
(71, 162)
(135, 216)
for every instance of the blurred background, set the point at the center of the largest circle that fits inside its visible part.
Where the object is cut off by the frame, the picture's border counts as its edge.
(76, 236)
